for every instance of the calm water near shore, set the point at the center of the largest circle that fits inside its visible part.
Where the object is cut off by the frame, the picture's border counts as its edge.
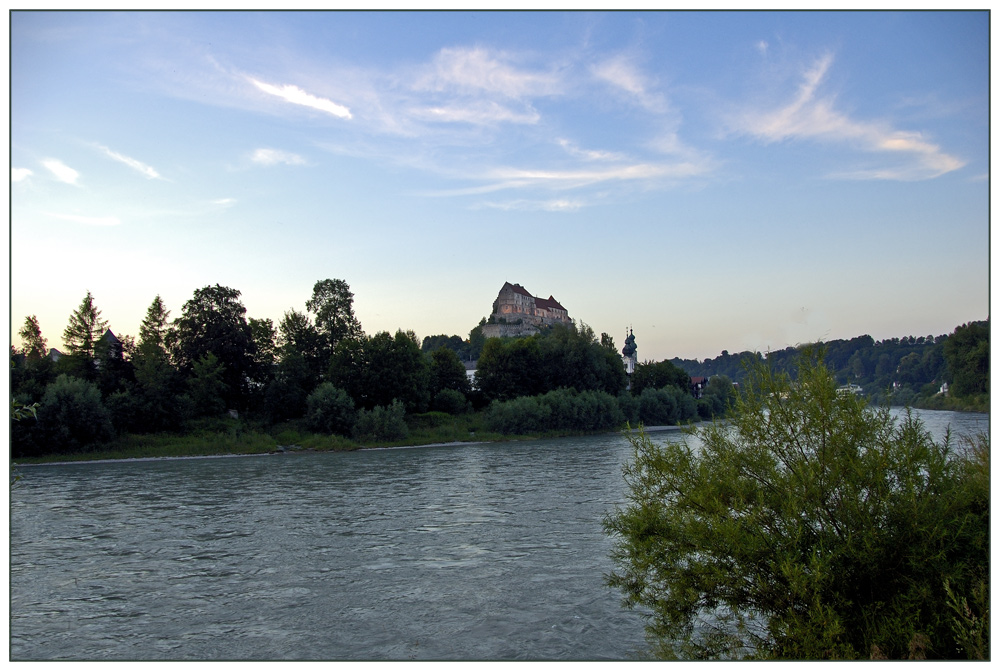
(488, 551)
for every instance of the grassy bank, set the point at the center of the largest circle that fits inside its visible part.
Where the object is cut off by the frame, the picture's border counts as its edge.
(220, 437)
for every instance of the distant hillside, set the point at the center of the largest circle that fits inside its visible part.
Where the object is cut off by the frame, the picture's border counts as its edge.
(902, 370)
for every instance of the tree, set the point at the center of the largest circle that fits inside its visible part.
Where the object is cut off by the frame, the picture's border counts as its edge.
(154, 329)
(33, 345)
(84, 329)
(330, 410)
(71, 416)
(207, 385)
(447, 372)
(967, 352)
(659, 375)
(264, 349)
(811, 526)
(299, 338)
(333, 304)
(213, 322)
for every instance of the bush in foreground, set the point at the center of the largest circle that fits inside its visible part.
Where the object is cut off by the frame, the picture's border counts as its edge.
(811, 526)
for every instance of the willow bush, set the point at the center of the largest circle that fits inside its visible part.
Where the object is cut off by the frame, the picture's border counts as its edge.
(810, 526)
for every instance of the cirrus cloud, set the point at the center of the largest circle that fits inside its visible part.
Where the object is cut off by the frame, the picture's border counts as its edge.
(138, 166)
(296, 96)
(811, 116)
(276, 156)
(61, 171)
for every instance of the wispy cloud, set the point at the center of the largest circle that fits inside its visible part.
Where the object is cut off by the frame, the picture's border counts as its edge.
(518, 177)
(555, 205)
(480, 70)
(811, 116)
(138, 166)
(622, 73)
(20, 174)
(89, 221)
(296, 96)
(483, 112)
(61, 171)
(224, 202)
(276, 156)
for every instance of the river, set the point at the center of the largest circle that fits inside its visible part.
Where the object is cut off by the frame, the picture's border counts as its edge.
(472, 552)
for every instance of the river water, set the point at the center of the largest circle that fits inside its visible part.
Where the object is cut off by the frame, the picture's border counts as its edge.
(475, 552)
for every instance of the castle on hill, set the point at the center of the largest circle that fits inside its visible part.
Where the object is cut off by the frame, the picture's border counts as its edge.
(516, 313)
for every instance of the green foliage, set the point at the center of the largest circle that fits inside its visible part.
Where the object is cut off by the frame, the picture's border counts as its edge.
(33, 345)
(560, 357)
(381, 424)
(333, 305)
(967, 352)
(207, 386)
(330, 410)
(650, 375)
(810, 526)
(154, 331)
(450, 401)
(378, 370)
(447, 372)
(666, 406)
(84, 329)
(719, 396)
(214, 322)
(70, 417)
(285, 396)
(559, 410)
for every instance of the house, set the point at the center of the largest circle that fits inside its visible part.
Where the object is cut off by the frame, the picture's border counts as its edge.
(698, 385)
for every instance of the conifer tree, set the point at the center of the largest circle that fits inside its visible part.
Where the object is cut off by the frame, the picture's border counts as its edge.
(33, 344)
(85, 328)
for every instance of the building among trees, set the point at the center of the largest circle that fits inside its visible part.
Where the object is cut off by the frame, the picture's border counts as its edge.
(516, 312)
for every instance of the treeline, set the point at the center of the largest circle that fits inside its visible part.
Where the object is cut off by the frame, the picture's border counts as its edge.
(319, 371)
(900, 371)
(317, 367)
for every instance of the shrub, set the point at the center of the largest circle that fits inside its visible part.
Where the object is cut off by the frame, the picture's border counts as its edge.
(381, 423)
(71, 417)
(450, 401)
(809, 526)
(330, 410)
(520, 416)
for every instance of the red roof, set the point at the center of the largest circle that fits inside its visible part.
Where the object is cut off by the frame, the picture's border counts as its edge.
(548, 303)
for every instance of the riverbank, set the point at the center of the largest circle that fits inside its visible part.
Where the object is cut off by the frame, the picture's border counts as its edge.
(230, 444)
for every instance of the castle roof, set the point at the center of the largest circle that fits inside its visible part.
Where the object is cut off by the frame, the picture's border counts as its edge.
(517, 288)
(549, 303)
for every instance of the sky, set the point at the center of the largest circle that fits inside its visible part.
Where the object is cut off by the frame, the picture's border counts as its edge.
(712, 180)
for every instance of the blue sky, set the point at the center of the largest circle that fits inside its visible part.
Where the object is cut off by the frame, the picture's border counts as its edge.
(715, 180)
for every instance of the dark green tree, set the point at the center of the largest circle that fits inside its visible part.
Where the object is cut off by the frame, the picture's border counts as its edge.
(297, 336)
(207, 386)
(967, 352)
(33, 345)
(214, 322)
(658, 375)
(85, 328)
(810, 525)
(332, 303)
(71, 417)
(447, 372)
(155, 329)
(330, 410)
